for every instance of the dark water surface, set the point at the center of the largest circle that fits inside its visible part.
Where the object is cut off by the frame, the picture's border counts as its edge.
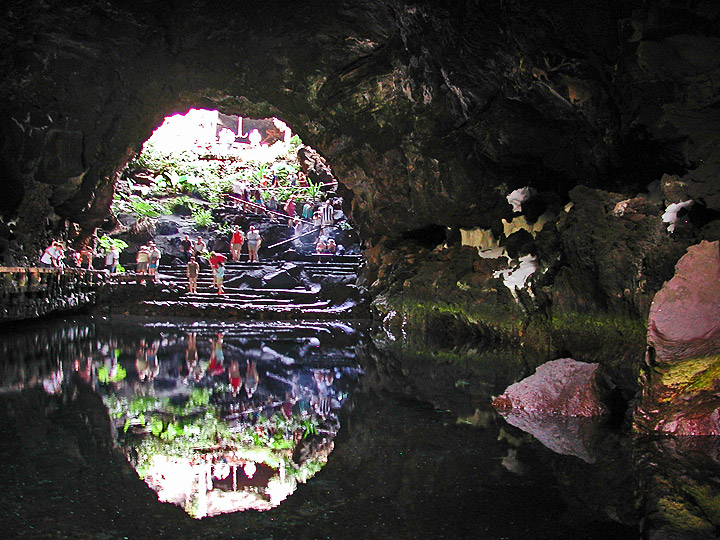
(293, 430)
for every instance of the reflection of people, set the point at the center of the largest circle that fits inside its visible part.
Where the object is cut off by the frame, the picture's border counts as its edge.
(146, 360)
(251, 379)
(217, 357)
(234, 376)
(191, 354)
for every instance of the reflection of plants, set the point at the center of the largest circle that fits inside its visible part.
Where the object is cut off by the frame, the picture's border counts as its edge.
(106, 375)
(309, 426)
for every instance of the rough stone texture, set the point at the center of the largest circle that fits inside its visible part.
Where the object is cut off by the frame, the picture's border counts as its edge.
(681, 393)
(563, 387)
(684, 317)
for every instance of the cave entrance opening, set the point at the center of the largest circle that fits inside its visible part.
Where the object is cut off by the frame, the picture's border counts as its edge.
(204, 173)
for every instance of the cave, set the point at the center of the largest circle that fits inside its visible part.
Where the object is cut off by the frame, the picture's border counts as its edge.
(433, 117)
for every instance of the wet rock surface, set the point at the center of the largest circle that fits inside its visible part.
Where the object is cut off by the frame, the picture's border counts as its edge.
(680, 394)
(562, 387)
(684, 318)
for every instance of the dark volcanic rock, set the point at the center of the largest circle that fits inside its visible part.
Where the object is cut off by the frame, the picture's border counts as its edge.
(563, 387)
(280, 280)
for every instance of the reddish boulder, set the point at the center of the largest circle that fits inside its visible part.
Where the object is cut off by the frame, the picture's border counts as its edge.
(562, 387)
(681, 393)
(684, 319)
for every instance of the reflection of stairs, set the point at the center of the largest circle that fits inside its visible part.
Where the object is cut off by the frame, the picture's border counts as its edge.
(266, 290)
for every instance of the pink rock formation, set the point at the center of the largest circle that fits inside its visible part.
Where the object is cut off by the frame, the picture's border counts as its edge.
(562, 387)
(684, 319)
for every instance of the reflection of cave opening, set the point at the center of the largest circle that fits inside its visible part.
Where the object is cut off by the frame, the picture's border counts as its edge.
(206, 173)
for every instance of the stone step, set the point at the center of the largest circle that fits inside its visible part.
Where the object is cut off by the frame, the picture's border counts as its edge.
(254, 294)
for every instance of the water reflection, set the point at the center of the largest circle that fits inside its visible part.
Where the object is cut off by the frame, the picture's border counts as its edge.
(215, 418)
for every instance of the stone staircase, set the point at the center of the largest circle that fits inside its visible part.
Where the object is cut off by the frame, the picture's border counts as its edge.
(281, 290)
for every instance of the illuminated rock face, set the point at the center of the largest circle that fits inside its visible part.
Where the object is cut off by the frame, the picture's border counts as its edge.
(562, 387)
(681, 390)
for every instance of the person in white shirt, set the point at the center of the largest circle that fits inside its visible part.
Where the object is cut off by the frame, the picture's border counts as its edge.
(52, 256)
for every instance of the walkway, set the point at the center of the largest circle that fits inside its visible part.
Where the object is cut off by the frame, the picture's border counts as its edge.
(29, 292)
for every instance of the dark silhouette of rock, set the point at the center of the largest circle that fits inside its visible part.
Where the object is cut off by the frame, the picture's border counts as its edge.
(166, 227)
(280, 280)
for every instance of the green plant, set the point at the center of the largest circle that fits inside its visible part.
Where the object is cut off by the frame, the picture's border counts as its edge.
(146, 208)
(313, 190)
(106, 243)
(203, 218)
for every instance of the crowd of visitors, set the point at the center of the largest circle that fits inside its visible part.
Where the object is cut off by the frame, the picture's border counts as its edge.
(310, 222)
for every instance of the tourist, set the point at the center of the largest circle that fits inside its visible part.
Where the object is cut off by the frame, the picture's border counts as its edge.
(219, 275)
(199, 247)
(302, 179)
(327, 212)
(321, 246)
(289, 209)
(272, 205)
(216, 259)
(331, 246)
(317, 221)
(112, 259)
(142, 259)
(257, 197)
(297, 233)
(192, 271)
(236, 243)
(185, 247)
(253, 240)
(52, 256)
(86, 258)
(153, 260)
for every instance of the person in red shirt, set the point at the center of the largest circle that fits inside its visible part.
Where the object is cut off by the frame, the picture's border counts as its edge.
(215, 260)
(236, 243)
